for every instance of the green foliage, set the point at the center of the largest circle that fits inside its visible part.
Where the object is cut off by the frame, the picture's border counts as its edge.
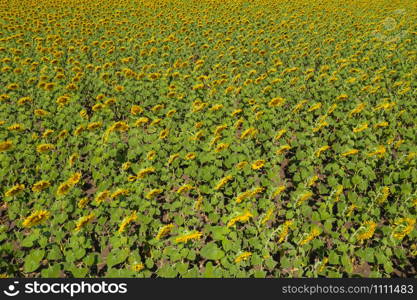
(178, 138)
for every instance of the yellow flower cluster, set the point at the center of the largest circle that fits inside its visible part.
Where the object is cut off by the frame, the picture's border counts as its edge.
(284, 230)
(222, 182)
(66, 186)
(404, 227)
(188, 237)
(126, 221)
(83, 221)
(13, 191)
(311, 236)
(36, 218)
(240, 218)
(366, 231)
(243, 256)
(164, 231)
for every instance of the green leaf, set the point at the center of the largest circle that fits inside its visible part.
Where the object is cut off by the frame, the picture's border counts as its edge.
(182, 268)
(117, 256)
(388, 267)
(369, 255)
(259, 274)
(78, 272)
(211, 251)
(227, 245)
(54, 253)
(119, 273)
(33, 260)
(53, 271)
(356, 179)
(167, 271)
(90, 259)
(209, 270)
(333, 258)
(79, 253)
(219, 232)
(28, 241)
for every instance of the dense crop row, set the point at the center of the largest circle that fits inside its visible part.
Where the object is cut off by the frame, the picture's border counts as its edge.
(265, 138)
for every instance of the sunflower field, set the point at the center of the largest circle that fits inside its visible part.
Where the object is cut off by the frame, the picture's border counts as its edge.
(183, 138)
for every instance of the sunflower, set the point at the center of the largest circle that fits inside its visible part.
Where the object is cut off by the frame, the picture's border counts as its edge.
(258, 164)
